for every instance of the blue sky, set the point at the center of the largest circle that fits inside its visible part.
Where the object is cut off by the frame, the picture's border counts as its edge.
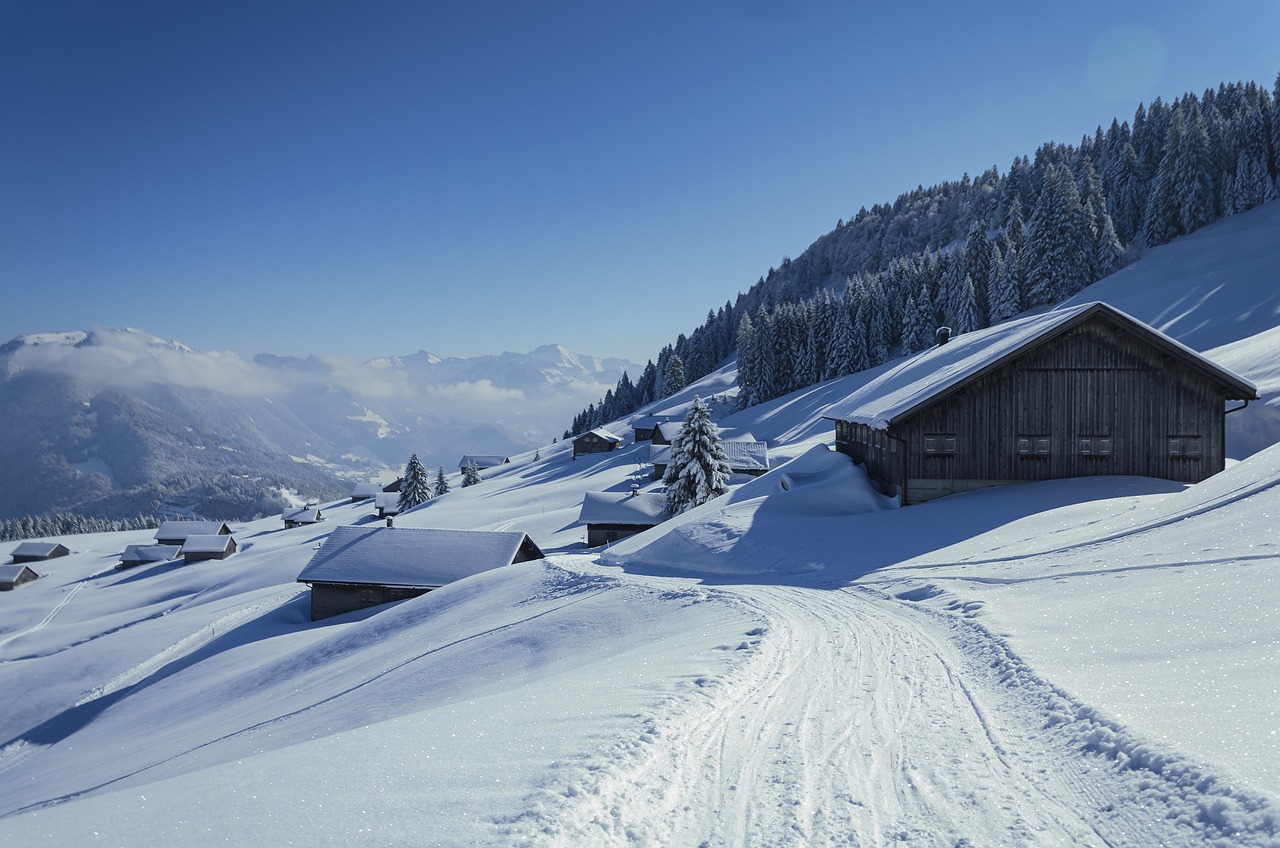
(379, 177)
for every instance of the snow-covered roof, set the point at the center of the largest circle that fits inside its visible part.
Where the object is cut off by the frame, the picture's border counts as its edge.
(670, 429)
(647, 422)
(387, 501)
(207, 544)
(659, 454)
(35, 549)
(365, 489)
(182, 529)
(11, 573)
(747, 456)
(482, 461)
(647, 508)
(405, 556)
(304, 515)
(602, 433)
(150, 553)
(920, 379)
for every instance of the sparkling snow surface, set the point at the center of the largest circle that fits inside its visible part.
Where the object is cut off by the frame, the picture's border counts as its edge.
(1080, 662)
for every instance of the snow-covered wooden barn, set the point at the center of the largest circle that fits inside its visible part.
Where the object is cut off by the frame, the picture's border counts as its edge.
(176, 532)
(364, 490)
(135, 555)
(598, 440)
(611, 516)
(483, 460)
(39, 551)
(1081, 391)
(387, 504)
(13, 576)
(301, 516)
(203, 547)
(360, 567)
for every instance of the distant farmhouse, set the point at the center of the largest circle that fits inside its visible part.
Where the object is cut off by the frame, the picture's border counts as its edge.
(176, 532)
(135, 555)
(1081, 391)
(744, 458)
(13, 576)
(483, 461)
(359, 567)
(598, 440)
(299, 517)
(643, 427)
(611, 516)
(665, 431)
(200, 548)
(363, 491)
(387, 504)
(39, 551)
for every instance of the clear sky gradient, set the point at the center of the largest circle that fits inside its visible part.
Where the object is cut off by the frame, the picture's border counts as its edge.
(376, 178)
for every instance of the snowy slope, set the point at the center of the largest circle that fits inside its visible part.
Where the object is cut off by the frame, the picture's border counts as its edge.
(1080, 662)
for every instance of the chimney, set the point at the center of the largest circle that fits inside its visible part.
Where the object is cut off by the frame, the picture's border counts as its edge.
(944, 335)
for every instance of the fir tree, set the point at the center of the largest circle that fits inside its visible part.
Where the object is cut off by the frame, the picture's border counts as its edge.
(442, 485)
(699, 469)
(673, 379)
(415, 488)
(470, 475)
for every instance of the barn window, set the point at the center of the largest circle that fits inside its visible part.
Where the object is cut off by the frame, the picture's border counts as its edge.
(1033, 445)
(367, 596)
(1186, 447)
(1095, 445)
(939, 444)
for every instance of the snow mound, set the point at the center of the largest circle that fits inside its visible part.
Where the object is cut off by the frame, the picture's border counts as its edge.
(744, 533)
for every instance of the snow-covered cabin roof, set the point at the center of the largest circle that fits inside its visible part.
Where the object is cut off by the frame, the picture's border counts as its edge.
(150, 553)
(941, 369)
(11, 574)
(180, 530)
(747, 456)
(659, 454)
(648, 422)
(37, 550)
(646, 508)
(387, 502)
(405, 556)
(670, 429)
(604, 434)
(483, 461)
(304, 515)
(365, 489)
(207, 544)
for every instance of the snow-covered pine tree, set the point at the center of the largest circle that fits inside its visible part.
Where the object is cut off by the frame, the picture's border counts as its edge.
(415, 488)
(746, 362)
(442, 485)
(470, 475)
(673, 379)
(699, 469)
(1194, 189)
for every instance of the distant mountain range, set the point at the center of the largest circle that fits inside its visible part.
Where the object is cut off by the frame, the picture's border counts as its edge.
(113, 423)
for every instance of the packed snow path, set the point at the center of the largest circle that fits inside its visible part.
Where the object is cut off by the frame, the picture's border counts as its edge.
(863, 720)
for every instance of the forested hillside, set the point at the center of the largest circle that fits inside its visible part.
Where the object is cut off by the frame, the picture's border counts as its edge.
(973, 252)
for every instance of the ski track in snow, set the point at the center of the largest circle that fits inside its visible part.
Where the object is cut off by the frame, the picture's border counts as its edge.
(861, 719)
(48, 618)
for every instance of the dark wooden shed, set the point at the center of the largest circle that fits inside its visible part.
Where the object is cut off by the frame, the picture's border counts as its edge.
(610, 516)
(1075, 392)
(39, 551)
(359, 567)
(215, 546)
(13, 576)
(598, 440)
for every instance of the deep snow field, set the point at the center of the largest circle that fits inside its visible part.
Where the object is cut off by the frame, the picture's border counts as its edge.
(1079, 662)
